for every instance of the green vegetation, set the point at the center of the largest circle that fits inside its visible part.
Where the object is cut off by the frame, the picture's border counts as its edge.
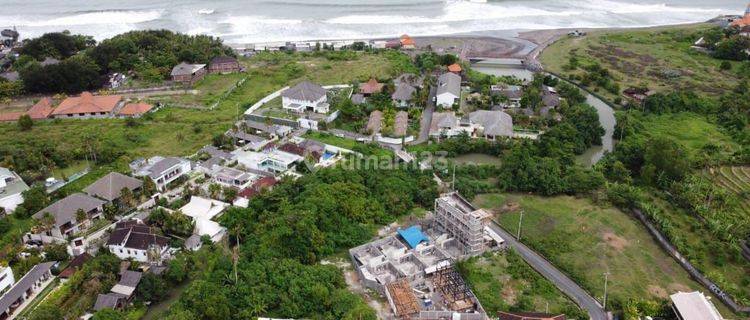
(655, 58)
(503, 281)
(586, 240)
(367, 149)
(735, 179)
(693, 131)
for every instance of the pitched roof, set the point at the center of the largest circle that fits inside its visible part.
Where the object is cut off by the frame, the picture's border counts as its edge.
(135, 235)
(109, 187)
(371, 86)
(184, 69)
(130, 278)
(375, 121)
(442, 120)
(42, 109)
(400, 123)
(163, 165)
(454, 67)
(406, 40)
(551, 100)
(305, 91)
(449, 83)
(64, 210)
(10, 116)
(74, 265)
(87, 103)
(495, 123)
(358, 98)
(258, 186)
(404, 92)
(25, 283)
(108, 300)
(223, 59)
(132, 109)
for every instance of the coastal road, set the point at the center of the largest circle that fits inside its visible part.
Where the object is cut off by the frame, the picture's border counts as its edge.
(560, 280)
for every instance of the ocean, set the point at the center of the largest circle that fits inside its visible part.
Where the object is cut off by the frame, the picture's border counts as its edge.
(238, 21)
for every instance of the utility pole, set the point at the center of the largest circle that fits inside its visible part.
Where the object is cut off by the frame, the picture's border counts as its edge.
(606, 274)
(520, 219)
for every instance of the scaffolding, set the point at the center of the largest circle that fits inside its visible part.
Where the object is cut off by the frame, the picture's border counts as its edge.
(457, 217)
(456, 294)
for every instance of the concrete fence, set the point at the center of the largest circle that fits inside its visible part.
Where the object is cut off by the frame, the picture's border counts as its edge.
(694, 273)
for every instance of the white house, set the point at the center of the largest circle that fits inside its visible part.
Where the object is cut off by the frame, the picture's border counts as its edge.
(13, 301)
(135, 240)
(64, 214)
(202, 210)
(6, 279)
(274, 161)
(161, 170)
(305, 96)
(448, 89)
(11, 187)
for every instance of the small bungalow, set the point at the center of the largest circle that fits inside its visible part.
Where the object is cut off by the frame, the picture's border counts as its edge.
(134, 110)
(455, 68)
(42, 109)
(492, 124)
(88, 106)
(248, 140)
(403, 95)
(407, 42)
(443, 124)
(305, 96)
(265, 183)
(512, 93)
(370, 87)
(375, 122)
(358, 98)
(273, 130)
(223, 65)
(400, 124)
(188, 74)
(75, 265)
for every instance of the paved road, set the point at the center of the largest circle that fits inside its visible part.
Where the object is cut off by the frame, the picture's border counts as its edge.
(424, 132)
(544, 267)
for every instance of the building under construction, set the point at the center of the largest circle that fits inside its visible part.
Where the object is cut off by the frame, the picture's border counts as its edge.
(468, 225)
(413, 269)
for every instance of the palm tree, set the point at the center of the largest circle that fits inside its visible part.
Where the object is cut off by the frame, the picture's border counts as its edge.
(81, 216)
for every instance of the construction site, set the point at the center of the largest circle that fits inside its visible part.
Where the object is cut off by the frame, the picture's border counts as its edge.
(413, 268)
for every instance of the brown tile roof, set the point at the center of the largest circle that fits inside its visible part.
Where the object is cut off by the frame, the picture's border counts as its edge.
(87, 103)
(376, 119)
(454, 67)
(400, 123)
(406, 40)
(42, 109)
(74, 265)
(10, 116)
(371, 86)
(258, 186)
(132, 109)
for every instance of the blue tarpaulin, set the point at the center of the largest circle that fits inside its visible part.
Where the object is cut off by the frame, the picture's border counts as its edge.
(413, 236)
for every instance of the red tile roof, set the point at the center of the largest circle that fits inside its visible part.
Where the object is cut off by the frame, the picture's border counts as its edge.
(454, 67)
(406, 40)
(132, 109)
(42, 109)
(10, 116)
(257, 187)
(371, 86)
(87, 103)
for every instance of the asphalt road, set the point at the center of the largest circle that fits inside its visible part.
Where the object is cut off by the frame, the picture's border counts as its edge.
(424, 132)
(546, 269)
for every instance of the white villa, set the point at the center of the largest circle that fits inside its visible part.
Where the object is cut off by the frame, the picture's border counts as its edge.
(11, 187)
(161, 170)
(305, 96)
(449, 89)
(274, 161)
(202, 210)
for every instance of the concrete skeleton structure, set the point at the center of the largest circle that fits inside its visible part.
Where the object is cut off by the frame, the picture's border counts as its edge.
(457, 217)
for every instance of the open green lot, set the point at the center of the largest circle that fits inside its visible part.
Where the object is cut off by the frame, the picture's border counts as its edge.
(586, 240)
(659, 58)
(502, 281)
(691, 130)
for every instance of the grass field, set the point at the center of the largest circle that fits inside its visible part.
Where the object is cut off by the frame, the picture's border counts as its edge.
(503, 282)
(349, 144)
(585, 241)
(691, 130)
(644, 56)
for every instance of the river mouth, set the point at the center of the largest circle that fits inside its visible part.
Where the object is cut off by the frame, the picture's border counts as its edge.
(606, 114)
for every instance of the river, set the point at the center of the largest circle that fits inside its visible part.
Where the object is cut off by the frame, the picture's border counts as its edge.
(606, 113)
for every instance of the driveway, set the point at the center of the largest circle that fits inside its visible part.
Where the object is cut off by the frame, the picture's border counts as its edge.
(560, 280)
(424, 126)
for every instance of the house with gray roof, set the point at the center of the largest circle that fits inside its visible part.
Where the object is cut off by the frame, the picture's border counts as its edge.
(188, 74)
(162, 171)
(375, 122)
(305, 96)
(64, 211)
(110, 186)
(137, 241)
(448, 89)
(400, 124)
(26, 288)
(11, 187)
(492, 124)
(444, 124)
(403, 95)
(274, 130)
(248, 140)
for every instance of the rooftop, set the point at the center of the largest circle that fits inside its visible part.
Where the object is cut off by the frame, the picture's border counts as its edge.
(694, 306)
(87, 103)
(24, 284)
(305, 91)
(110, 186)
(413, 236)
(184, 68)
(64, 210)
